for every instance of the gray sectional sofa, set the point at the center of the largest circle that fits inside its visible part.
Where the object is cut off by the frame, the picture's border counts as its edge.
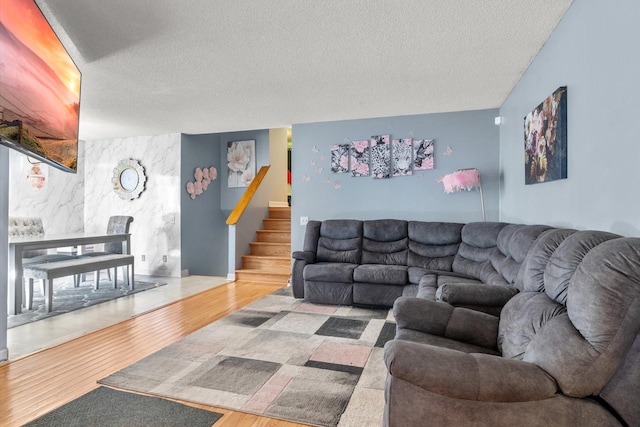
(375, 262)
(542, 325)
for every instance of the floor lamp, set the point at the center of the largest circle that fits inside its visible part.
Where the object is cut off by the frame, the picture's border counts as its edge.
(464, 179)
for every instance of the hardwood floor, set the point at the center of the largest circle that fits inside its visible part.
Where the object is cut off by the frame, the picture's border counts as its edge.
(36, 384)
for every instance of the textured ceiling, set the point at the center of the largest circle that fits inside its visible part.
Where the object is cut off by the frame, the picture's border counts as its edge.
(199, 66)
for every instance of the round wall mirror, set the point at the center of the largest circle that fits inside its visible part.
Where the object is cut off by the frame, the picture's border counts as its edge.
(128, 179)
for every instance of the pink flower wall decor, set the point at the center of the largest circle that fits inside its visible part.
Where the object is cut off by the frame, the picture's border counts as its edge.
(203, 177)
(241, 163)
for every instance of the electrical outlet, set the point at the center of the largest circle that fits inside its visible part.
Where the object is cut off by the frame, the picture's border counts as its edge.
(304, 220)
(164, 258)
(143, 257)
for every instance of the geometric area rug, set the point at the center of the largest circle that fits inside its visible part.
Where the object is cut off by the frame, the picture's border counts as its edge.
(278, 357)
(68, 298)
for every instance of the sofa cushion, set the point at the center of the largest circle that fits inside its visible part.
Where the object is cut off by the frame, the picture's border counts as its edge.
(340, 241)
(479, 246)
(438, 341)
(384, 242)
(329, 272)
(564, 261)
(514, 243)
(433, 245)
(382, 274)
(538, 258)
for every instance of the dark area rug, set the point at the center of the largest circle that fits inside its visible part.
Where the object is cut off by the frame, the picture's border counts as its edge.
(278, 357)
(107, 407)
(66, 298)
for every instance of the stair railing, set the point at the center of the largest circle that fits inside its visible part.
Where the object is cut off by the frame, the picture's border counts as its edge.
(235, 216)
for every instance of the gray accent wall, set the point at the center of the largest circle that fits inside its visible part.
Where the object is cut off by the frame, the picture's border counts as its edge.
(231, 196)
(594, 52)
(204, 235)
(320, 194)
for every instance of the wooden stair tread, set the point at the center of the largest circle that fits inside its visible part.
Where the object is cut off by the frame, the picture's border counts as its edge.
(280, 271)
(270, 243)
(270, 257)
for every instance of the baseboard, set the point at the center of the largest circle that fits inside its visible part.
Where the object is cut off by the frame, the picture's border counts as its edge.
(184, 273)
(231, 276)
(4, 354)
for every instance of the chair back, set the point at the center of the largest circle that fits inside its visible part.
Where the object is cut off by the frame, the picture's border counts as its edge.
(118, 224)
(27, 227)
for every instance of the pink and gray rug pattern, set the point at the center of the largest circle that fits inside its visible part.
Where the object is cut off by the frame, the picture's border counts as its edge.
(278, 357)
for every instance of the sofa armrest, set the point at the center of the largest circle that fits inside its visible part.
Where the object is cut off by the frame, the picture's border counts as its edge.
(297, 279)
(459, 375)
(441, 319)
(307, 256)
(476, 294)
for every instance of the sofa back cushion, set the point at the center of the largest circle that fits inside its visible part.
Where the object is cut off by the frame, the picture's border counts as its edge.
(565, 259)
(514, 243)
(538, 258)
(340, 240)
(433, 245)
(479, 245)
(583, 338)
(384, 241)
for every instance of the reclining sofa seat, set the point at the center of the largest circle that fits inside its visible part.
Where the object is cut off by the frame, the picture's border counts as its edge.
(564, 351)
(376, 261)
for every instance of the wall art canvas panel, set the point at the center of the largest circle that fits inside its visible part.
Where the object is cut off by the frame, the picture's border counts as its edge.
(401, 154)
(340, 158)
(545, 140)
(422, 154)
(241, 163)
(380, 157)
(360, 158)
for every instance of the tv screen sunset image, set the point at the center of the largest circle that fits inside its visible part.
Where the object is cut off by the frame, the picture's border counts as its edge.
(39, 86)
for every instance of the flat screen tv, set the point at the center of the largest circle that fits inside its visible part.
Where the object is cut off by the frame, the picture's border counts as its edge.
(39, 88)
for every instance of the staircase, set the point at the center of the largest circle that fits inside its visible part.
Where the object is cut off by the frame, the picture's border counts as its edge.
(269, 260)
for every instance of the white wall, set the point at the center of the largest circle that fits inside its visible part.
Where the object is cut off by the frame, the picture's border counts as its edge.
(594, 52)
(155, 230)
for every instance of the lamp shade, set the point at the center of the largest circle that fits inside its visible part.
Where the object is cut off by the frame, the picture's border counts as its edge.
(462, 179)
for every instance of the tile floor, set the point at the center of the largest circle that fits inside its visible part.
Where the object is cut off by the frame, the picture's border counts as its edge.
(26, 339)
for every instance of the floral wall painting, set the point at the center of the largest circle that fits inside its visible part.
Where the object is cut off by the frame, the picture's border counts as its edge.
(360, 158)
(401, 150)
(422, 154)
(545, 140)
(241, 162)
(340, 158)
(380, 157)
(203, 177)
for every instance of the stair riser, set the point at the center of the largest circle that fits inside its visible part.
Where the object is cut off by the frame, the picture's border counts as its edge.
(280, 213)
(262, 277)
(276, 224)
(252, 263)
(283, 249)
(273, 236)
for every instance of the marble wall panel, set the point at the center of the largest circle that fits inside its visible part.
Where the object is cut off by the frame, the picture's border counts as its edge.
(60, 200)
(156, 227)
